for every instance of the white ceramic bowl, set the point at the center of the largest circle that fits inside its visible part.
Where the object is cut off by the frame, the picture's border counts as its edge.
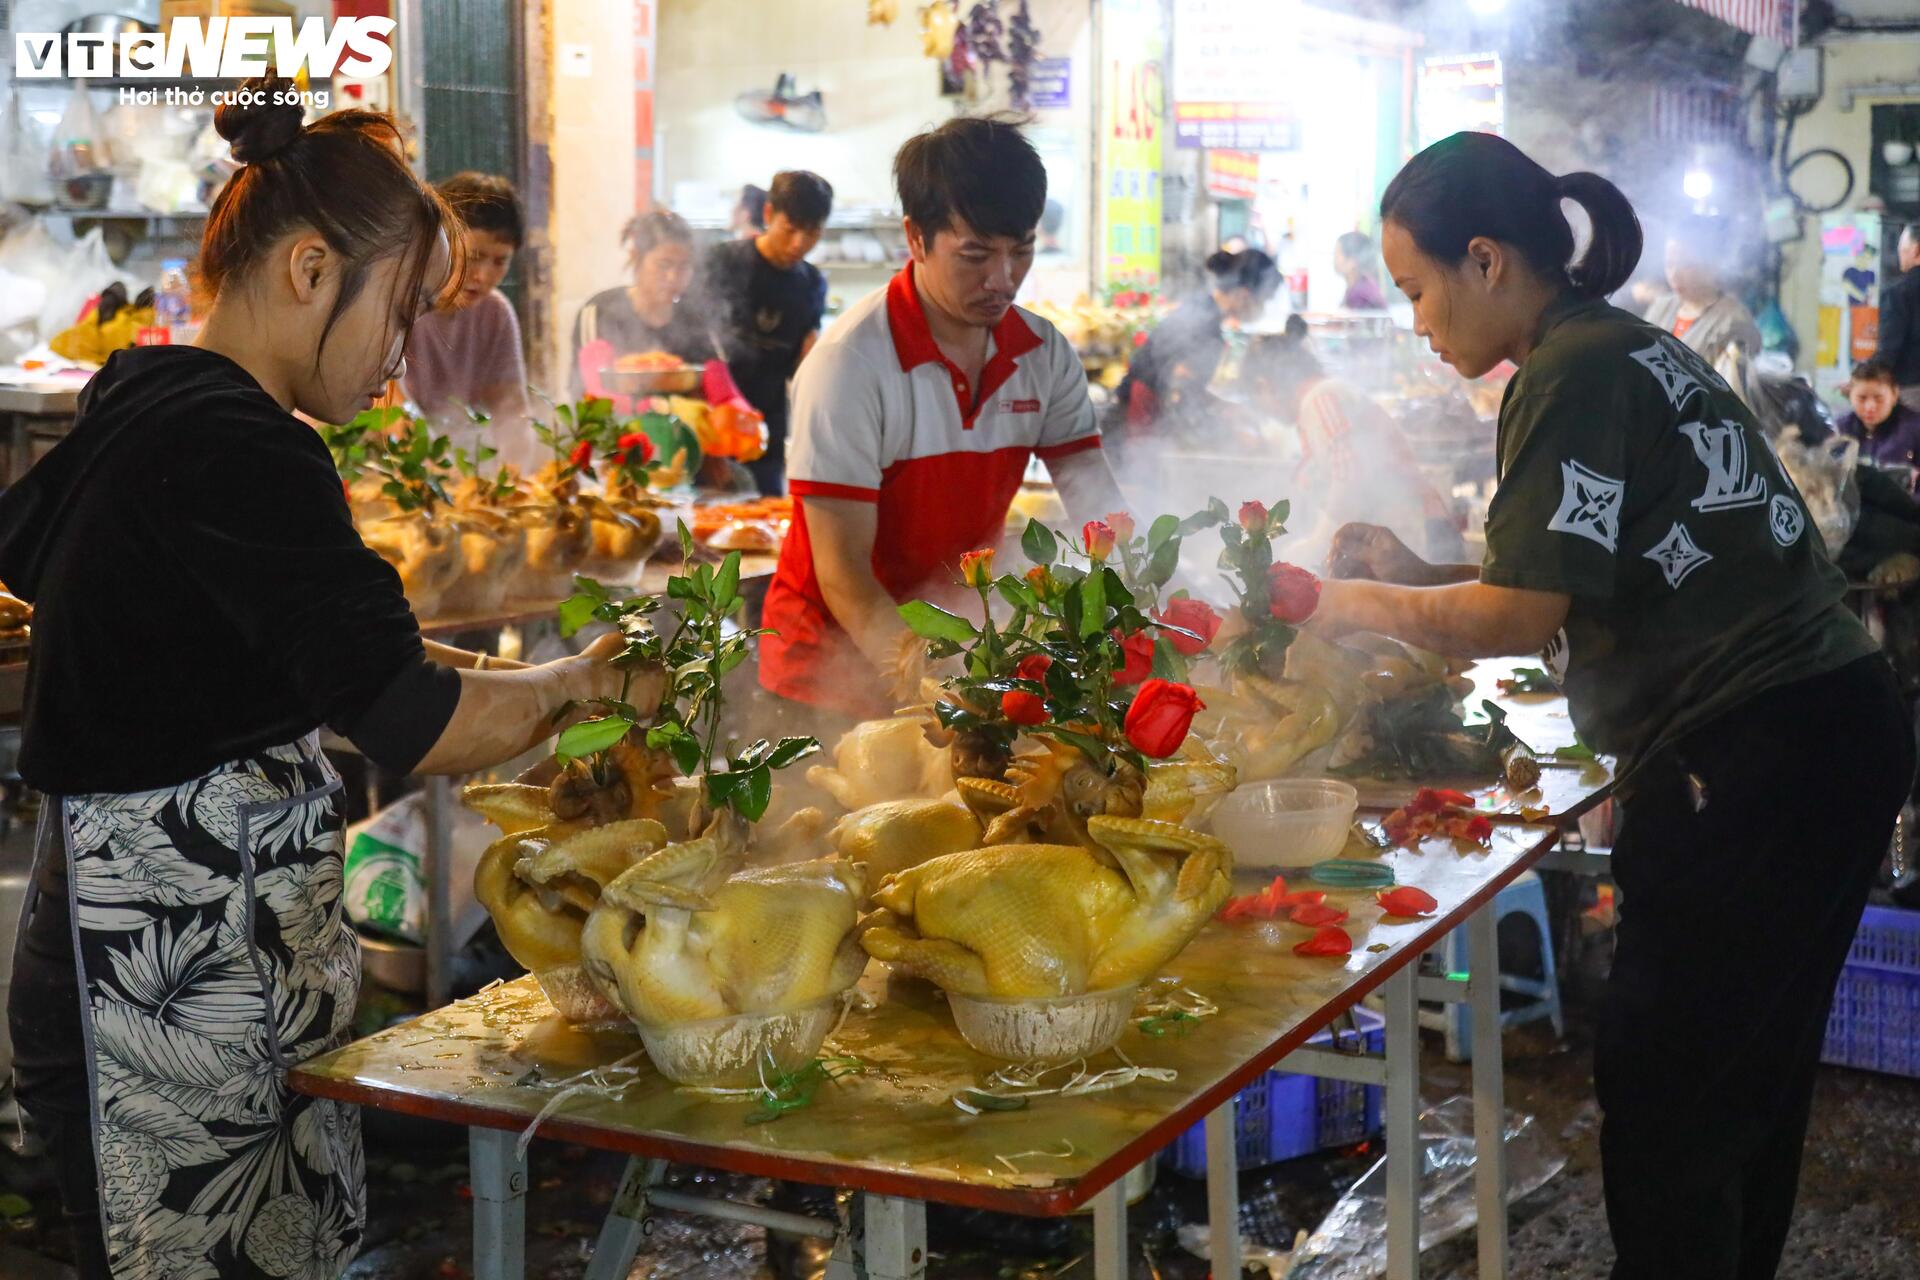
(733, 1052)
(1286, 821)
(1046, 1028)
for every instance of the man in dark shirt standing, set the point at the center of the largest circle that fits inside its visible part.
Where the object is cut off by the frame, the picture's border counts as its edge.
(765, 302)
(1900, 319)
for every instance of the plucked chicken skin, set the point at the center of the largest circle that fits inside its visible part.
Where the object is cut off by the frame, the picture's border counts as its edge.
(1037, 920)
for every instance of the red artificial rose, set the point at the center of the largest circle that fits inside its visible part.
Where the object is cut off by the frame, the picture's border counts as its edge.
(1137, 649)
(1315, 914)
(582, 456)
(1253, 516)
(1033, 667)
(1023, 708)
(1292, 593)
(1140, 339)
(1122, 525)
(1040, 580)
(976, 567)
(1406, 901)
(1098, 535)
(639, 440)
(1329, 940)
(1192, 615)
(1160, 716)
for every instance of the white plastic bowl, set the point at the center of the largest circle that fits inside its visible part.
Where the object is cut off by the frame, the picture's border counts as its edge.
(1286, 821)
(1045, 1028)
(733, 1052)
(574, 997)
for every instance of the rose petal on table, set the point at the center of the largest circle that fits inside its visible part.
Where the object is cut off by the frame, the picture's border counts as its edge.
(1313, 914)
(1406, 902)
(1303, 898)
(1331, 940)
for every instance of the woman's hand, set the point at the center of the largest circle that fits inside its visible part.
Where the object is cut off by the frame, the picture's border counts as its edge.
(1376, 552)
(591, 674)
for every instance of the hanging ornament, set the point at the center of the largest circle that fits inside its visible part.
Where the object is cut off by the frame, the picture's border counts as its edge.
(1023, 41)
(986, 33)
(938, 25)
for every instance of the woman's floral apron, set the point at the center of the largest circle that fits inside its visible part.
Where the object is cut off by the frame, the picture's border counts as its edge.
(213, 955)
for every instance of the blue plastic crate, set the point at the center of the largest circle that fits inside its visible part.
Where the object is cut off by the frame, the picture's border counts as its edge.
(1282, 1115)
(1875, 1023)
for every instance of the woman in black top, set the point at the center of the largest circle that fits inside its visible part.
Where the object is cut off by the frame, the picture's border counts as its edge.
(202, 606)
(1648, 541)
(646, 314)
(1167, 378)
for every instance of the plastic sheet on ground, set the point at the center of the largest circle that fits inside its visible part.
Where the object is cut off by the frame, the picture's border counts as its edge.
(1351, 1242)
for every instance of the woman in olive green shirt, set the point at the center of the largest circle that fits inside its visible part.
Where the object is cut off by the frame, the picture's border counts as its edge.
(1646, 540)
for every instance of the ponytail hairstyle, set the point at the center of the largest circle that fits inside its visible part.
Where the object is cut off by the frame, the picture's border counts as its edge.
(1277, 365)
(344, 176)
(1476, 184)
(647, 231)
(1249, 269)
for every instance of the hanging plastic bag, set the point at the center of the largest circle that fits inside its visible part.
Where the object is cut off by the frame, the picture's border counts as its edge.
(385, 869)
(79, 148)
(23, 158)
(85, 271)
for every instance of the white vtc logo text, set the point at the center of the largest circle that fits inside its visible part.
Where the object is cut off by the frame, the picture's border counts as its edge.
(209, 48)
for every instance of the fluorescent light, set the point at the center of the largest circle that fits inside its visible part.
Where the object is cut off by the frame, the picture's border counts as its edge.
(1698, 184)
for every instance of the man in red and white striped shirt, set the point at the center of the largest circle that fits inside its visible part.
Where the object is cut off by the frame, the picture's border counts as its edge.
(914, 420)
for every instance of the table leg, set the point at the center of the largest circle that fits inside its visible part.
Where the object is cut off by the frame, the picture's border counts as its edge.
(1489, 1092)
(1110, 1233)
(1223, 1191)
(881, 1238)
(498, 1175)
(628, 1221)
(438, 801)
(1403, 1123)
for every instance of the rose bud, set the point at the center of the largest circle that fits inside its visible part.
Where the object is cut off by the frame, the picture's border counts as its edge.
(1292, 593)
(1192, 615)
(1160, 716)
(1253, 516)
(976, 568)
(1098, 536)
(1023, 708)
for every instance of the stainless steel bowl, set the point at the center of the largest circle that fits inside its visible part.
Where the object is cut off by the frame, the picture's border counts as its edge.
(397, 966)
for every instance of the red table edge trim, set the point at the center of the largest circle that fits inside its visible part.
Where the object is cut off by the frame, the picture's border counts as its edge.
(1049, 1202)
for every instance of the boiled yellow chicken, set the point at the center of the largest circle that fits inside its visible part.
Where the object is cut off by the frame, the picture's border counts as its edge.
(1037, 920)
(896, 834)
(493, 550)
(1052, 790)
(690, 933)
(424, 551)
(879, 760)
(623, 535)
(540, 883)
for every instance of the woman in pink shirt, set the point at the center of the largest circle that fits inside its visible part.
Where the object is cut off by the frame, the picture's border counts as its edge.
(470, 357)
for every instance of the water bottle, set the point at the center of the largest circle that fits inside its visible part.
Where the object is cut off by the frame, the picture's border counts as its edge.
(173, 300)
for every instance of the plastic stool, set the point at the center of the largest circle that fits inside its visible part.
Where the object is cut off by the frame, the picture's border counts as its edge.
(1525, 896)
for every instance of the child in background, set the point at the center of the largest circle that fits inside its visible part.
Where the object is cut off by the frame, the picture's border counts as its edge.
(470, 358)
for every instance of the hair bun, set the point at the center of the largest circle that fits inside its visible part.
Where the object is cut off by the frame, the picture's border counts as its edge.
(264, 122)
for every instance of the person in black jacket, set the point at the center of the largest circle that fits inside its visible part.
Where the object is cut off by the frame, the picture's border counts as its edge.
(202, 606)
(1167, 379)
(1900, 319)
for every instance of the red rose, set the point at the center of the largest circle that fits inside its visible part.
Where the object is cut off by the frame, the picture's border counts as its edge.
(1122, 525)
(346, 488)
(976, 568)
(1040, 580)
(1292, 593)
(582, 456)
(639, 440)
(1033, 667)
(1022, 707)
(1137, 649)
(1253, 516)
(1160, 716)
(1140, 339)
(1190, 615)
(1098, 535)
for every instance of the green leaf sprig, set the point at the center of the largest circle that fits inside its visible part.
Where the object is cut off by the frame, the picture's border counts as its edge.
(1246, 555)
(705, 645)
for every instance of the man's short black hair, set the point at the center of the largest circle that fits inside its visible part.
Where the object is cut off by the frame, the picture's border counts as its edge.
(1875, 370)
(802, 198)
(487, 202)
(978, 169)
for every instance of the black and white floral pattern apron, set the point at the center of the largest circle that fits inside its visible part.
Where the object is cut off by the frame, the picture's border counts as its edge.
(213, 955)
